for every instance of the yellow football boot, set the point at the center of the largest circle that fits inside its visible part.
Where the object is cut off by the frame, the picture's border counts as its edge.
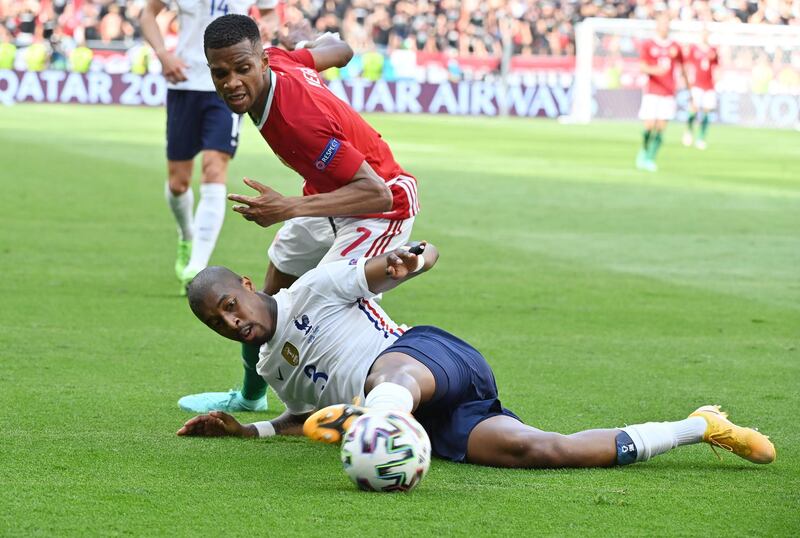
(329, 425)
(746, 443)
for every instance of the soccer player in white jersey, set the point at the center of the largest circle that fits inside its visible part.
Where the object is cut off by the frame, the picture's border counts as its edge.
(324, 342)
(197, 121)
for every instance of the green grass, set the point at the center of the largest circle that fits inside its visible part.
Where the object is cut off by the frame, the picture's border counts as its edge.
(601, 296)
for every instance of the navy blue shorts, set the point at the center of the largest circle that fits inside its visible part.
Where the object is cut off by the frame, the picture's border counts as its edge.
(198, 121)
(465, 393)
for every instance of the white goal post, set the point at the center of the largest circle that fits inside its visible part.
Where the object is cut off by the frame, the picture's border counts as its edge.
(758, 78)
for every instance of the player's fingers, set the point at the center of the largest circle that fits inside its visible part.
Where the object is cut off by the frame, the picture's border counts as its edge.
(241, 198)
(253, 184)
(407, 257)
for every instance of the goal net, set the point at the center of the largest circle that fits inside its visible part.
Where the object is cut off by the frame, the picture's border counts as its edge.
(758, 79)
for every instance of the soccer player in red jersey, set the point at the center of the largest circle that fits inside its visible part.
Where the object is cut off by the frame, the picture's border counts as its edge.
(703, 58)
(660, 57)
(357, 200)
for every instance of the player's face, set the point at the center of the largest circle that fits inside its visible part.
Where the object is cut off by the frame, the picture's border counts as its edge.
(237, 312)
(238, 74)
(662, 26)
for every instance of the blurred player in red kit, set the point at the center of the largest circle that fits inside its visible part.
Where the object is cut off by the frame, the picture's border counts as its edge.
(660, 57)
(703, 58)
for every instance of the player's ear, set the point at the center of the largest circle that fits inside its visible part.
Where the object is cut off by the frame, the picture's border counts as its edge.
(264, 60)
(247, 283)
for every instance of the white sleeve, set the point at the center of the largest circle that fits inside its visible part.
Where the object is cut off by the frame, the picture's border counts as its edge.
(344, 281)
(266, 4)
(348, 281)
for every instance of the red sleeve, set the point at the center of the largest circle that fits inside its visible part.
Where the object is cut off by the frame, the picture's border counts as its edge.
(328, 158)
(300, 56)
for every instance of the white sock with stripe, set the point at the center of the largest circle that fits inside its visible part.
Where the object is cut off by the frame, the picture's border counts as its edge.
(207, 224)
(654, 438)
(182, 206)
(390, 397)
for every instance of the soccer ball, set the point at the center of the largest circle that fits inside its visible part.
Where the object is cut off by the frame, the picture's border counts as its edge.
(386, 451)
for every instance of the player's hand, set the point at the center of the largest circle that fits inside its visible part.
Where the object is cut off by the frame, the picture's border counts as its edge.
(172, 67)
(266, 209)
(214, 424)
(291, 34)
(400, 263)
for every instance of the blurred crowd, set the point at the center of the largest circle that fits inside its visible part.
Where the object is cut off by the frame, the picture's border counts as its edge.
(64, 34)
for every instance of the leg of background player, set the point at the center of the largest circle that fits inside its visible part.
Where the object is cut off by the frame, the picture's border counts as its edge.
(276, 280)
(181, 202)
(655, 144)
(701, 138)
(250, 398)
(641, 157)
(502, 441)
(688, 135)
(254, 388)
(210, 211)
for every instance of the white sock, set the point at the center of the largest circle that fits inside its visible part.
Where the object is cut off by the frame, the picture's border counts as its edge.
(390, 397)
(654, 438)
(207, 224)
(182, 206)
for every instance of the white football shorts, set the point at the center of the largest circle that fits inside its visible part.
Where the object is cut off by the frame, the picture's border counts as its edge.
(704, 99)
(305, 242)
(657, 107)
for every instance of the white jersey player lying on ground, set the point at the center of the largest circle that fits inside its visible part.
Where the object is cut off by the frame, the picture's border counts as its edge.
(324, 342)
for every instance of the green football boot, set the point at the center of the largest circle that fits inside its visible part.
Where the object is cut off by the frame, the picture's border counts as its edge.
(229, 402)
(641, 159)
(650, 166)
(182, 258)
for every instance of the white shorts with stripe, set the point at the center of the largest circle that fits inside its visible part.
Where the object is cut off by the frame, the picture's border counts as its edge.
(305, 242)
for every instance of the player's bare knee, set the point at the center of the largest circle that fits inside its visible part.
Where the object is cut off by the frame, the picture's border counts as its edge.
(400, 375)
(179, 183)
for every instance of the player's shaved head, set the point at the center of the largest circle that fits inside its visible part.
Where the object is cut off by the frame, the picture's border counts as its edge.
(211, 280)
(229, 30)
(230, 305)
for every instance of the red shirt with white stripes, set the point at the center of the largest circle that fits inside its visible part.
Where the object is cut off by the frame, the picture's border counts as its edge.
(667, 55)
(703, 59)
(322, 138)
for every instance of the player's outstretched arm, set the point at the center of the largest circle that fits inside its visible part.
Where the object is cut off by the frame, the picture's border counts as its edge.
(366, 193)
(219, 424)
(390, 270)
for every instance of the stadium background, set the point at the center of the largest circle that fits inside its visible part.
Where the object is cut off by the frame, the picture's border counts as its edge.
(478, 58)
(601, 295)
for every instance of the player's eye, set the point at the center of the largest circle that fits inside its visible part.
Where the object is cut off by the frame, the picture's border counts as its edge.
(231, 304)
(244, 69)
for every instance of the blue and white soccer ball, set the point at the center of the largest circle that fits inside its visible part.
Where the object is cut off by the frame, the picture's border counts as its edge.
(386, 451)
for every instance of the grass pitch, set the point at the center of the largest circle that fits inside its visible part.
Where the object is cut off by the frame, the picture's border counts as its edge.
(600, 295)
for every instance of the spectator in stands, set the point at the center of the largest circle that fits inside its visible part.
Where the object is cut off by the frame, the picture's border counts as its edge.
(468, 27)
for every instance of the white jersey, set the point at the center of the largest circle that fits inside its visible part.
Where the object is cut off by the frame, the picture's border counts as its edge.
(327, 335)
(193, 17)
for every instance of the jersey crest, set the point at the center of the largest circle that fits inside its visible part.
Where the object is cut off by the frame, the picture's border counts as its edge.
(290, 354)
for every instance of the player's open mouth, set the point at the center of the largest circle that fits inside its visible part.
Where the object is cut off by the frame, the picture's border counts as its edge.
(237, 98)
(245, 331)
